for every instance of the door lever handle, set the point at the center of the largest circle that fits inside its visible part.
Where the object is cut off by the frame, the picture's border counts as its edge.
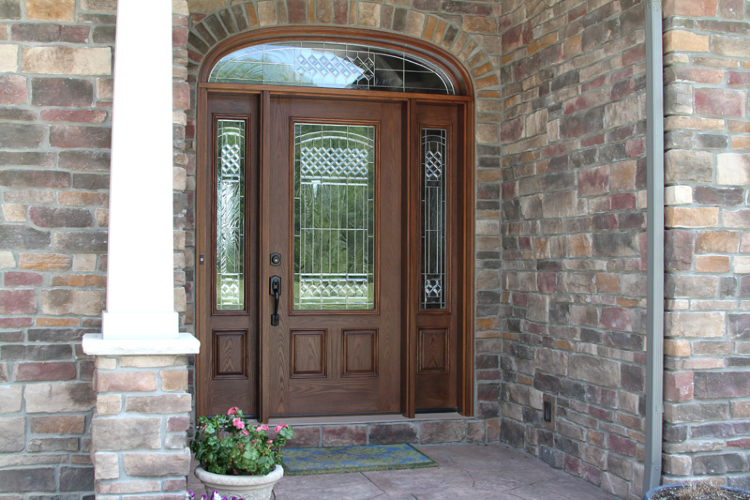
(275, 290)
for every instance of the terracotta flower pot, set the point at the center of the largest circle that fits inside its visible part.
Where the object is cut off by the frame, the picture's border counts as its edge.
(247, 487)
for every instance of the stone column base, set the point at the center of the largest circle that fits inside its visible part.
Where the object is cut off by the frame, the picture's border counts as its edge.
(139, 428)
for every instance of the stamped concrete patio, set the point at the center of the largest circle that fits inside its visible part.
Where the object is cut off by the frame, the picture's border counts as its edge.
(468, 471)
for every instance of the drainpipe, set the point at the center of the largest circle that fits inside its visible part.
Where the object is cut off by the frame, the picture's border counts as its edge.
(655, 234)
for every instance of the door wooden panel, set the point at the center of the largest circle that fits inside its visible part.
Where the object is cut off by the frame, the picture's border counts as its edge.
(230, 355)
(360, 353)
(308, 353)
(434, 350)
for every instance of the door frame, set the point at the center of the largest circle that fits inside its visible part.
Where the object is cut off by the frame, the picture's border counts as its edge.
(411, 207)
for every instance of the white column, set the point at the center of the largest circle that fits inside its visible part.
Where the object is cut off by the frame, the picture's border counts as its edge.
(140, 289)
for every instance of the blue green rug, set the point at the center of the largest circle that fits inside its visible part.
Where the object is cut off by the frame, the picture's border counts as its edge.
(337, 459)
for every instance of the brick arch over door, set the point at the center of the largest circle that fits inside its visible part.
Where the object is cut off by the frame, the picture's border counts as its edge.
(209, 29)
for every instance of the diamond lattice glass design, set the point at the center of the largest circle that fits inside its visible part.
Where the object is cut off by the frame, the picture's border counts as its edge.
(433, 218)
(230, 215)
(332, 65)
(334, 217)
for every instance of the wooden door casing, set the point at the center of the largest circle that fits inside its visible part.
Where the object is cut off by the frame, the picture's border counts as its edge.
(423, 337)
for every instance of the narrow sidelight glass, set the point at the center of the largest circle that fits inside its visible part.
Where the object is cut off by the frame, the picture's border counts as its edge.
(230, 215)
(433, 218)
(334, 217)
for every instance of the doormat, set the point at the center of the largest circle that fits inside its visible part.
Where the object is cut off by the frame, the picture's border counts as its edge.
(338, 459)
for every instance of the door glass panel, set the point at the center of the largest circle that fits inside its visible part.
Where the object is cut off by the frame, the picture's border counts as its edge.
(334, 217)
(433, 218)
(332, 65)
(230, 215)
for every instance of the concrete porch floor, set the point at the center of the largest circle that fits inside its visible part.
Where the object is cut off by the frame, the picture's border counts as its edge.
(467, 471)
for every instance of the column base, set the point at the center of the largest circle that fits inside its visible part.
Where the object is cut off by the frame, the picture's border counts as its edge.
(143, 325)
(95, 345)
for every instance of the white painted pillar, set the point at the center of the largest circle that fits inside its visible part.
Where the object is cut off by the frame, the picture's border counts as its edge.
(140, 316)
(140, 276)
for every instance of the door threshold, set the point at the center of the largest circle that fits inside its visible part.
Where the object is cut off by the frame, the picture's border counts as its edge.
(393, 418)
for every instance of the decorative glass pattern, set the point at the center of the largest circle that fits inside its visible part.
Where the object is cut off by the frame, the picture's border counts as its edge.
(230, 215)
(332, 65)
(334, 217)
(433, 218)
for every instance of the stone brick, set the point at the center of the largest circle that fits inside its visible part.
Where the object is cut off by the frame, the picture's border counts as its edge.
(694, 324)
(444, 431)
(76, 478)
(156, 464)
(45, 371)
(45, 261)
(44, 445)
(70, 92)
(392, 434)
(85, 160)
(691, 217)
(114, 434)
(616, 318)
(152, 361)
(720, 463)
(8, 56)
(305, 437)
(124, 487)
(165, 403)
(59, 424)
(106, 465)
(92, 61)
(108, 404)
(730, 46)
(12, 435)
(17, 302)
(29, 479)
(717, 242)
(713, 264)
(720, 102)
(345, 435)
(21, 135)
(10, 398)
(678, 195)
(73, 136)
(688, 165)
(79, 302)
(716, 385)
(597, 371)
(50, 10)
(733, 169)
(126, 381)
(178, 424)
(14, 279)
(679, 249)
(174, 380)
(85, 241)
(14, 90)
(61, 217)
(678, 386)
(59, 397)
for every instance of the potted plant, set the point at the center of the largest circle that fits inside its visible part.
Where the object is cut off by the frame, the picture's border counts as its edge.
(696, 491)
(238, 459)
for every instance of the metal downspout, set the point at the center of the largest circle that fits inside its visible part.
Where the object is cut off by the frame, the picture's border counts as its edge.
(655, 234)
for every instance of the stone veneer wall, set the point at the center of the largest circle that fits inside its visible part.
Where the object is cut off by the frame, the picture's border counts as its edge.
(573, 236)
(707, 383)
(55, 122)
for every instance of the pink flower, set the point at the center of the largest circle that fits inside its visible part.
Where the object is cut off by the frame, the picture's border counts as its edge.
(245, 432)
(281, 425)
(270, 441)
(262, 427)
(232, 411)
(238, 423)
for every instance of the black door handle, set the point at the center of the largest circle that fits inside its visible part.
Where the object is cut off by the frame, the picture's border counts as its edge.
(275, 290)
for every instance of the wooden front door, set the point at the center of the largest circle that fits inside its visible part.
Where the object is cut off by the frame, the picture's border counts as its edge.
(331, 246)
(335, 191)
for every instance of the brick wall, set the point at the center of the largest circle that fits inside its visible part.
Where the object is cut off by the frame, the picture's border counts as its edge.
(55, 123)
(707, 385)
(573, 236)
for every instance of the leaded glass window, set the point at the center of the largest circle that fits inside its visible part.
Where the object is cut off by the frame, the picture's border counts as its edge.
(230, 215)
(334, 224)
(332, 65)
(433, 218)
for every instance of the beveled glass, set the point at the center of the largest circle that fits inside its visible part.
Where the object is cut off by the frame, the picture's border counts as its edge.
(332, 65)
(334, 217)
(433, 218)
(230, 215)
